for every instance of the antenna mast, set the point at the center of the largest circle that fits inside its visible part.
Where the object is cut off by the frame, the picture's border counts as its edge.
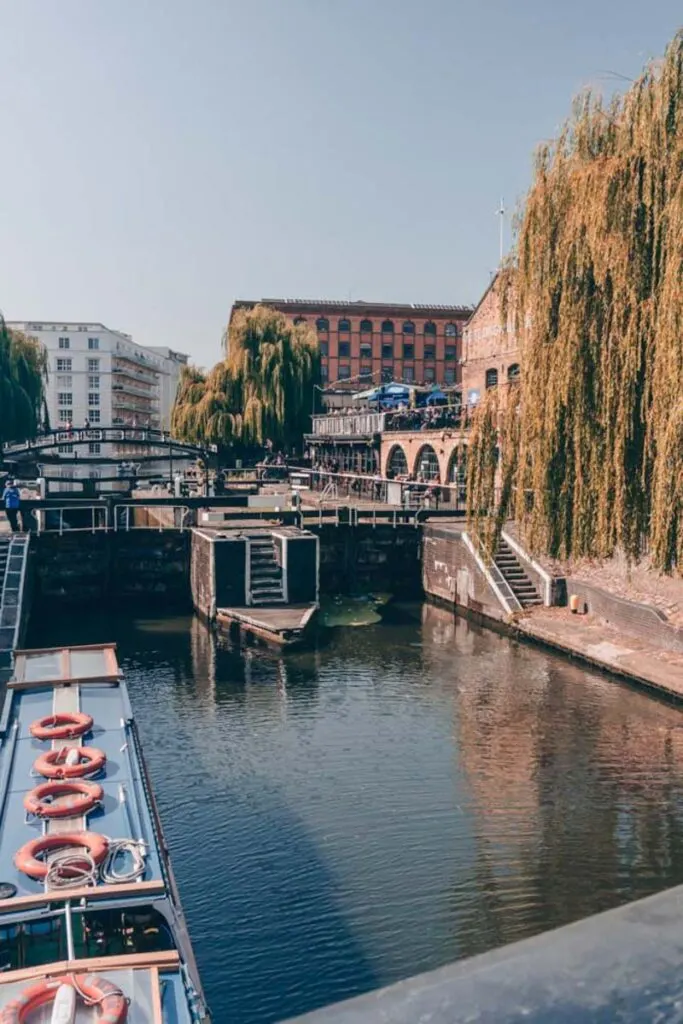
(501, 214)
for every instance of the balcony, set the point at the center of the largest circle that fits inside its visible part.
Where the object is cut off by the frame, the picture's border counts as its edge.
(363, 424)
(132, 389)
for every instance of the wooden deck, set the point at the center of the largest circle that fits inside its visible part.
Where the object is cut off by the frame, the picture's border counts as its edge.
(281, 625)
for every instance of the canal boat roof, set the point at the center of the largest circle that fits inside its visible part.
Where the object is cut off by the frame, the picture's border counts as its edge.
(161, 979)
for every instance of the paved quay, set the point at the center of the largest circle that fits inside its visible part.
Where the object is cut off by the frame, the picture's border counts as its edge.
(597, 642)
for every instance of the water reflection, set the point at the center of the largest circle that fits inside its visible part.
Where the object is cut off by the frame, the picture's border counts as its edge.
(406, 794)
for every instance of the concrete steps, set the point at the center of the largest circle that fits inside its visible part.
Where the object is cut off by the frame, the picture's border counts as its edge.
(513, 572)
(265, 573)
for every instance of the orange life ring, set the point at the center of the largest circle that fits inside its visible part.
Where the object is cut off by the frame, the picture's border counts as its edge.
(61, 727)
(80, 798)
(113, 1006)
(26, 857)
(52, 765)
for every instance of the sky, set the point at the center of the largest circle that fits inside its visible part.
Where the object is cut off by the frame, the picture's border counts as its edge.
(161, 158)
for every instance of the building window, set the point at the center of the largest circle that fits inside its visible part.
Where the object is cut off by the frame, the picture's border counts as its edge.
(65, 449)
(513, 373)
(94, 398)
(345, 348)
(66, 415)
(94, 415)
(492, 378)
(64, 343)
(366, 371)
(449, 352)
(366, 327)
(95, 448)
(65, 398)
(63, 366)
(387, 351)
(397, 463)
(449, 375)
(322, 345)
(430, 329)
(93, 343)
(93, 366)
(408, 374)
(344, 326)
(323, 373)
(451, 331)
(344, 371)
(430, 373)
(409, 327)
(429, 352)
(388, 327)
(408, 351)
(386, 374)
(299, 320)
(365, 351)
(322, 324)
(93, 382)
(65, 381)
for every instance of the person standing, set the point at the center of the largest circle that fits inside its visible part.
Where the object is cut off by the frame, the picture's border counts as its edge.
(11, 499)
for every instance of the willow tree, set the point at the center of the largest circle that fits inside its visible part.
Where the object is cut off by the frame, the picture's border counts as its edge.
(23, 371)
(597, 299)
(261, 391)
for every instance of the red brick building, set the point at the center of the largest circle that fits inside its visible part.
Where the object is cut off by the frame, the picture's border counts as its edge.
(491, 354)
(370, 342)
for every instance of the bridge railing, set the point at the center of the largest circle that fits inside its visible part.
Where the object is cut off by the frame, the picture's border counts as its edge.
(105, 435)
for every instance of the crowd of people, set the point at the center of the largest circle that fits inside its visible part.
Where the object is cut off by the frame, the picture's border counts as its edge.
(433, 417)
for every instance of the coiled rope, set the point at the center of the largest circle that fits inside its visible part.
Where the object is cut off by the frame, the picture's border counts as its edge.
(123, 848)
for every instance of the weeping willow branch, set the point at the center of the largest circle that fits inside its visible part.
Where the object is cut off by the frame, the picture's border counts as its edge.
(23, 373)
(262, 390)
(597, 301)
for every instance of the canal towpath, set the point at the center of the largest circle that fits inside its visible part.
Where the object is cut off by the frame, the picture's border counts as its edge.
(599, 643)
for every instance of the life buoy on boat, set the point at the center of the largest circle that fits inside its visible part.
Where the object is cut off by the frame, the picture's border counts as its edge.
(53, 764)
(26, 857)
(93, 990)
(62, 726)
(73, 798)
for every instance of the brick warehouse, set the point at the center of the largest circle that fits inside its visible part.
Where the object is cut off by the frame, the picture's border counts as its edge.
(375, 341)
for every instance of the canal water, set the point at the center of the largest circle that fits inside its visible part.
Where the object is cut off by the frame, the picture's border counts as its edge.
(407, 794)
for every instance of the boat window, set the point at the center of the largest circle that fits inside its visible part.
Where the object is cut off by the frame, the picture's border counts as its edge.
(43, 666)
(101, 932)
(89, 664)
(116, 932)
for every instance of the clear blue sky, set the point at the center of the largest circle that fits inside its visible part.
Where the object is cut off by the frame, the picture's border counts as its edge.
(163, 157)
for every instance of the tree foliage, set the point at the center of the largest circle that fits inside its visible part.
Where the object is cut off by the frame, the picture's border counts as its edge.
(23, 372)
(262, 389)
(597, 298)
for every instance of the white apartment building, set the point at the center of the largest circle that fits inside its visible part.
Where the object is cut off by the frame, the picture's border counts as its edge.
(102, 376)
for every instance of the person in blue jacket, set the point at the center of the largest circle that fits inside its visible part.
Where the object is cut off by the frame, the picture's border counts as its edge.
(11, 500)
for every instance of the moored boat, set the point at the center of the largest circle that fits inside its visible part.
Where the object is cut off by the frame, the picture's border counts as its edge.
(91, 926)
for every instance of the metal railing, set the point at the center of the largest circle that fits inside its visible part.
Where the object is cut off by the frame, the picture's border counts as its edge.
(112, 518)
(410, 494)
(437, 417)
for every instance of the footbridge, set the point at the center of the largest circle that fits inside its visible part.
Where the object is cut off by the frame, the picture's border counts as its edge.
(62, 445)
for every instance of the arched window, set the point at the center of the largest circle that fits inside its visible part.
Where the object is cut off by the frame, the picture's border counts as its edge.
(397, 463)
(451, 331)
(513, 373)
(430, 329)
(409, 327)
(366, 327)
(388, 327)
(322, 323)
(300, 320)
(491, 378)
(427, 464)
(344, 326)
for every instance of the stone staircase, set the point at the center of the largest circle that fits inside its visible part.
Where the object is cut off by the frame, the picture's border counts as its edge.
(265, 573)
(511, 569)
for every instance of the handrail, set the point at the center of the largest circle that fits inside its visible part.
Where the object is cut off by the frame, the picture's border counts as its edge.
(494, 577)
